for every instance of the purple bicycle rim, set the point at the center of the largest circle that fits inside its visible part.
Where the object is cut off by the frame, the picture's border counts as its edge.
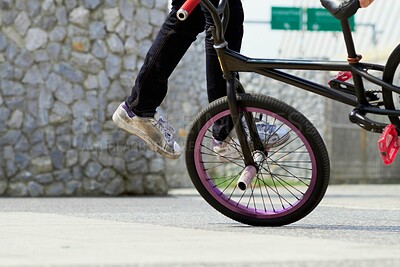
(233, 205)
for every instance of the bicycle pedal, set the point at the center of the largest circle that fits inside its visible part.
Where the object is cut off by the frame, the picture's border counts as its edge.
(339, 82)
(343, 76)
(388, 144)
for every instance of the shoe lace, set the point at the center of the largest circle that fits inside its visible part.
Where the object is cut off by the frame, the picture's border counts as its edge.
(167, 130)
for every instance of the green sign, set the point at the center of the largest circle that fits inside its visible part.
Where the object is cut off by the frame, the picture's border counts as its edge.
(286, 18)
(316, 19)
(319, 19)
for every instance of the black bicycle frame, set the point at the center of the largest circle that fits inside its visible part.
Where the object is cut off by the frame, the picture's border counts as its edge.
(232, 62)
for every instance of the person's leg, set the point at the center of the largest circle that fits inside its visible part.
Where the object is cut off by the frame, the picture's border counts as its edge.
(171, 43)
(137, 114)
(216, 84)
(224, 145)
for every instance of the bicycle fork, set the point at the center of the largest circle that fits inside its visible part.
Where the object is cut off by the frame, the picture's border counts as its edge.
(252, 159)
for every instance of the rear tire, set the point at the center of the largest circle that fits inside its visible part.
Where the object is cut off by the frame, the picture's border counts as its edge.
(291, 182)
(392, 75)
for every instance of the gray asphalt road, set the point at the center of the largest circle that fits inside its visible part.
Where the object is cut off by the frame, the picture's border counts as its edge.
(353, 226)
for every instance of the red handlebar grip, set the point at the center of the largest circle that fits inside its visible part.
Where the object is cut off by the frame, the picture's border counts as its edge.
(187, 8)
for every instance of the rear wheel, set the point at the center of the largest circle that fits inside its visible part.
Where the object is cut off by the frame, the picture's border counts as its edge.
(392, 75)
(291, 180)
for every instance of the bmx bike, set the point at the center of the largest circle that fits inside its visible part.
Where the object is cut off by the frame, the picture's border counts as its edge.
(267, 185)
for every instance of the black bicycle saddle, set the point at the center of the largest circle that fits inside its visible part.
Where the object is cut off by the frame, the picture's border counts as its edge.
(341, 9)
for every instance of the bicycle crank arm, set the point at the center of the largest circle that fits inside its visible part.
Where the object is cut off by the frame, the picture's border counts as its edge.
(366, 123)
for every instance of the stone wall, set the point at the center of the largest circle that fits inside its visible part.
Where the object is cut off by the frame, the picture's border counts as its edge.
(65, 65)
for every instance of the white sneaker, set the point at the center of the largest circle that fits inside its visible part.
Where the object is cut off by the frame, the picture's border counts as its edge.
(155, 131)
(270, 135)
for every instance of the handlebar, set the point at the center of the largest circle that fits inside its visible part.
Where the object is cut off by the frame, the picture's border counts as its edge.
(186, 9)
(219, 15)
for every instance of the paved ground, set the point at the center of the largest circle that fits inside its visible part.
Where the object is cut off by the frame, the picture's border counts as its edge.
(353, 226)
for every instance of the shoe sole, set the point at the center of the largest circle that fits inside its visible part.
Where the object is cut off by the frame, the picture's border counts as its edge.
(150, 143)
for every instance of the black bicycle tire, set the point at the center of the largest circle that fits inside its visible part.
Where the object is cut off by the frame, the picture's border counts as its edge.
(392, 65)
(307, 129)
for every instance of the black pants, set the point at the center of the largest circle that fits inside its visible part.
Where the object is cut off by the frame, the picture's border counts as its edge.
(171, 43)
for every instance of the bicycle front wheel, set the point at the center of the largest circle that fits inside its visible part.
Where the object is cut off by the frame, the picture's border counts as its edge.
(291, 180)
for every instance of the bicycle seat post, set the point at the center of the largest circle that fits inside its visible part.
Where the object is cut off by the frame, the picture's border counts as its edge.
(348, 38)
(353, 58)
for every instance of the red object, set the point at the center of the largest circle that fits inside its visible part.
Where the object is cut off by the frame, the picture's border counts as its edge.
(388, 144)
(343, 76)
(189, 6)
